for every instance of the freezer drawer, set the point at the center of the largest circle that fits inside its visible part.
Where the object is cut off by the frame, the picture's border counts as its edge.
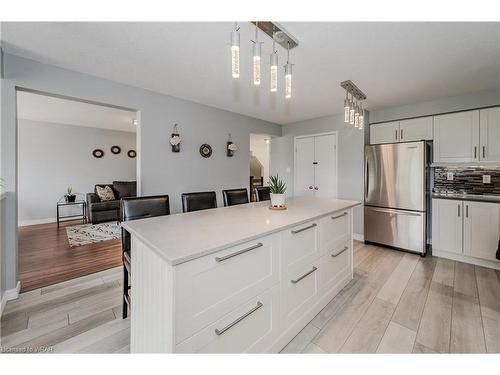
(398, 228)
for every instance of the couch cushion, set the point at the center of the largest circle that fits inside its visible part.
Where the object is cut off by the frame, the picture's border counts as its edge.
(106, 205)
(125, 189)
(105, 193)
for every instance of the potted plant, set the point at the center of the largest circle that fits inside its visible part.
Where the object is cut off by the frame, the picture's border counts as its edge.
(175, 139)
(278, 188)
(230, 147)
(69, 196)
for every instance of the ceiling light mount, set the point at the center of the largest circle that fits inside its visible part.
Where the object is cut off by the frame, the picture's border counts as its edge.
(281, 36)
(352, 89)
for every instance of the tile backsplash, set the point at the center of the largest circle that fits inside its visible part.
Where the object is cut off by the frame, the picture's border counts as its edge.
(468, 180)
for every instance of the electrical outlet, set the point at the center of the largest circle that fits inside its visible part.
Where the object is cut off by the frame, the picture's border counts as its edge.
(449, 176)
(486, 179)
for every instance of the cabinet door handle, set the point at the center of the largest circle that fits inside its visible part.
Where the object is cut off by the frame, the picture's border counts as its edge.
(225, 257)
(316, 188)
(458, 210)
(401, 131)
(310, 187)
(475, 152)
(396, 134)
(303, 229)
(340, 252)
(304, 275)
(219, 332)
(467, 210)
(339, 216)
(484, 152)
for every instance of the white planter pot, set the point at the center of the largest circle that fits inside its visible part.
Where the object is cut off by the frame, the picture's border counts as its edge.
(277, 200)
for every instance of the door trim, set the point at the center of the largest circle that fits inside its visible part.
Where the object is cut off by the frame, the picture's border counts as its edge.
(336, 133)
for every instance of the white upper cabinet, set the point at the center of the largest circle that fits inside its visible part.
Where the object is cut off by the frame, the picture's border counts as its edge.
(384, 133)
(456, 137)
(489, 134)
(415, 129)
(481, 229)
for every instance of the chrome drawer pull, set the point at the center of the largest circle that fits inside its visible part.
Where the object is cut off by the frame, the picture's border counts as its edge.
(303, 276)
(338, 217)
(303, 229)
(221, 259)
(340, 252)
(220, 332)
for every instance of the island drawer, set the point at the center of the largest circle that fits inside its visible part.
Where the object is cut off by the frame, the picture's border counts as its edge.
(252, 327)
(218, 283)
(335, 265)
(300, 244)
(299, 290)
(335, 230)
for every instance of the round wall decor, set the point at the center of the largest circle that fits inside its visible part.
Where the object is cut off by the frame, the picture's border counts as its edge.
(116, 150)
(98, 153)
(205, 150)
(131, 154)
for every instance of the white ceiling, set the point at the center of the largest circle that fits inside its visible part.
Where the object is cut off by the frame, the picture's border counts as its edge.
(44, 108)
(393, 63)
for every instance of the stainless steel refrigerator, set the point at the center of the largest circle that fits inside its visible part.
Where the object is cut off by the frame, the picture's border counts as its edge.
(396, 187)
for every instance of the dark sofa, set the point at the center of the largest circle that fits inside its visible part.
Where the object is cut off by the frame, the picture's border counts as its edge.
(99, 212)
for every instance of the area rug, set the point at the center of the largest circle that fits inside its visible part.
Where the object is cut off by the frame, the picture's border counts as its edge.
(85, 234)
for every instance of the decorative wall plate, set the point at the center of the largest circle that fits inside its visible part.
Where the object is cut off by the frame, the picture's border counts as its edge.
(116, 150)
(205, 150)
(98, 153)
(131, 154)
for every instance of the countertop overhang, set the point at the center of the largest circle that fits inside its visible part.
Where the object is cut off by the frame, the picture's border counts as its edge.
(183, 237)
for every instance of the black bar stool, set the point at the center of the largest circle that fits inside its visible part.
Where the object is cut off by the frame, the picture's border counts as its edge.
(198, 201)
(262, 193)
(133, 209)
(233, 197)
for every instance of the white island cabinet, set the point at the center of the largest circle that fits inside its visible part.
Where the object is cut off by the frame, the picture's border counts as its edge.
(236, 279)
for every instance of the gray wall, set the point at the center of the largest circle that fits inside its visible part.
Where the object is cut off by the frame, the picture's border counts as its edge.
(160, 170)
(441, 105)
(350, 157)
(52, 157)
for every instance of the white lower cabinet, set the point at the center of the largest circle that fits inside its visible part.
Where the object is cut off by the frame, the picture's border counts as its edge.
(481, 229)
(469, 229)
(257, 296)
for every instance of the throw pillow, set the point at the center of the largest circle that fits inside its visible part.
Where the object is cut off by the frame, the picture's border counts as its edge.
(105, 193)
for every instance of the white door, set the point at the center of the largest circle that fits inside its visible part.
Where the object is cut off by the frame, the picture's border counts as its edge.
(456, 137)
(387, 132)
(489, 134)
(481, 229)
(415, 129)
(325, 165)
(447, 225)
(304, 170)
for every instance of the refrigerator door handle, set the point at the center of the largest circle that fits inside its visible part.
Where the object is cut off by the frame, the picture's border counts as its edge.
(367, 179)
(393, 212)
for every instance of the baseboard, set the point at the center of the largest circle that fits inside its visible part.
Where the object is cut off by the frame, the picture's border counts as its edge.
(24, 223)
(466, 259)
(358, 237)
(9, 295)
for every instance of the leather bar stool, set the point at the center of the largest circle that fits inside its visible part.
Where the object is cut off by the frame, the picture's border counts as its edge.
(262, 193)
(198, 201)
(233, 197)
(133, 209)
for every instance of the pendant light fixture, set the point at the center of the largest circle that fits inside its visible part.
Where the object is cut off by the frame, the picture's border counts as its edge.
(256, 56)
(346, 107)
(354, 114)
(274, 67)
(235, 51)
(288, 74)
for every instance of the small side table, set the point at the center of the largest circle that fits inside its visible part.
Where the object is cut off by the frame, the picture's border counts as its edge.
(82, 216)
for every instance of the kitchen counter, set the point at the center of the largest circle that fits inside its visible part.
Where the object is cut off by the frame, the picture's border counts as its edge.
(236, 279)
(183, 237)
(468, 197)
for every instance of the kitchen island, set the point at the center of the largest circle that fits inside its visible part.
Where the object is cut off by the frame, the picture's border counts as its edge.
(236, 279)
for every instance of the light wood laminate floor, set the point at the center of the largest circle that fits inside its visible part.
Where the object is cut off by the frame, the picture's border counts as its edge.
(396, 303)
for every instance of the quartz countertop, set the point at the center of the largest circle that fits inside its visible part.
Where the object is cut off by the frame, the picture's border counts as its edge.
(468, 197)
(186, 236)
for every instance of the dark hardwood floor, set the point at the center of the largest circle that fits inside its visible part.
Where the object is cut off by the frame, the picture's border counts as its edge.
(45, 257)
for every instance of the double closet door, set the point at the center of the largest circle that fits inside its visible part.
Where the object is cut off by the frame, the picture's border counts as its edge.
(315, 167)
